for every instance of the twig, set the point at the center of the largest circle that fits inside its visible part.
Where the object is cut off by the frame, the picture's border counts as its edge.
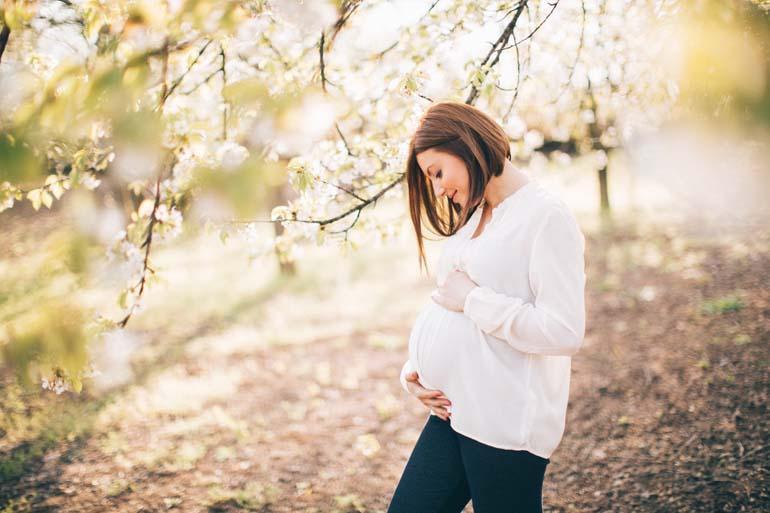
(518, 79)
(425, 97)
(529, 36)
(577, 54)
(344, 141)
(348, 8)
(147, 245)
(427, 13)
(164, 78)
(496, 50)
(196, 86)
(343, 189)
(181, 77)
(224, 85)
(275, 50)
(350, 227)
(323, 222)
(381, 54)
(321, 55)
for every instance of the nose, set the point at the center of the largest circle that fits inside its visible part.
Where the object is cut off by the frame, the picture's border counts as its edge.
(438, 189)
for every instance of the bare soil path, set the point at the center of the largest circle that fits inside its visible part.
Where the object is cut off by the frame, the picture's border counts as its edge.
(668, 406)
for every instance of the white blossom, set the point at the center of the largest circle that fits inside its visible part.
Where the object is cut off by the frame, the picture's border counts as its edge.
(230, 155)
(56, 384)
(89, 181)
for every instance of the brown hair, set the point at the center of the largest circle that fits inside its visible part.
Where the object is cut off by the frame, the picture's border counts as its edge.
(470, 135)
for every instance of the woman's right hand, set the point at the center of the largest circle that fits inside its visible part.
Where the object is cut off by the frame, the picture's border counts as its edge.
(433, 399)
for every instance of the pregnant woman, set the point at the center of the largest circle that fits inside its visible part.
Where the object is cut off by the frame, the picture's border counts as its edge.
(490, 354)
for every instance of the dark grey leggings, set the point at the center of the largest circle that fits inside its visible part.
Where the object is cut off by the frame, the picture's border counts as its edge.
(447, 469)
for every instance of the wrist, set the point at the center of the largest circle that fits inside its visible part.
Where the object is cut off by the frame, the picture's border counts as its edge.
(469, 298)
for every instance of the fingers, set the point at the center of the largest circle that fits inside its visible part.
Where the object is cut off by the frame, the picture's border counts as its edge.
(426, 394)
(442, 413)
(430, 397)
(433, 399)
(437, 402)
(440, 401)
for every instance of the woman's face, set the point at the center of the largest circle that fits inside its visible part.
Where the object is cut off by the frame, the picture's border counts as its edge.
(447, 173)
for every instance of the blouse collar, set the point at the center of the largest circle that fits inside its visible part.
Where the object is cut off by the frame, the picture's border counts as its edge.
(508, 200)
(514, 198)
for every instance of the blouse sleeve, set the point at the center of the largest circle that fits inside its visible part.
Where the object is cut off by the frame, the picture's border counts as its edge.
(406, 369)
(555, 323)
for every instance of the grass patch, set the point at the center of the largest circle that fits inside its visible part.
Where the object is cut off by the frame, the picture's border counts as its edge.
(250, 498)
(21, 505)
(34, 424)
(722, 305)
(119, 487)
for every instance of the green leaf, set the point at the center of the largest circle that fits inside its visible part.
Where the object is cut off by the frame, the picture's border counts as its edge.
(76, 383)
(46, 198)
(57, 189)
(123, 299)
(34, 196)
(18, 162)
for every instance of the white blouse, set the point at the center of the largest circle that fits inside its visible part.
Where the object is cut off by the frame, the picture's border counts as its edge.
(504, 362)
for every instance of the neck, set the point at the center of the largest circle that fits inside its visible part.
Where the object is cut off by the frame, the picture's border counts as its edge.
(500, 187)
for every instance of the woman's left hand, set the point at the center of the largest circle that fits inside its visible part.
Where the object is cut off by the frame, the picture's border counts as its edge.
(452, 293)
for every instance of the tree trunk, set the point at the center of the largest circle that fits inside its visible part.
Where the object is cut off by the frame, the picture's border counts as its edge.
(595, 131)
(281, 194)
(5, 33)
(604, 195)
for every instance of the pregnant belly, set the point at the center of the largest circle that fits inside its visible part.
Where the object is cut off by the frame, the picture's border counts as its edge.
(438, 342)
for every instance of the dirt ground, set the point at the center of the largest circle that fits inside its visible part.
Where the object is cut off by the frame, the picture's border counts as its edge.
(668, 408)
